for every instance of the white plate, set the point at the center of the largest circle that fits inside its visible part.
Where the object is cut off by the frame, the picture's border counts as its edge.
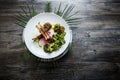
(31, 31)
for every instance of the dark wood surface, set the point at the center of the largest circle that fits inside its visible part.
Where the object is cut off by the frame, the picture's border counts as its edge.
(95, 51)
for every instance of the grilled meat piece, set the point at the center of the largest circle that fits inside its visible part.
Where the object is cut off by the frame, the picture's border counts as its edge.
(38, 37)
(47, 26)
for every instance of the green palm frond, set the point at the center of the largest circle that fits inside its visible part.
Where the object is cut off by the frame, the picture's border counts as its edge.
(48, 7)
(58, 11)
(67, 14)
(22, 19)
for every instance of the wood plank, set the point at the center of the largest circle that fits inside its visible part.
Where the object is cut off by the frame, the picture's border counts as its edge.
(95, 50)
(84, 25)
(94, 33)
(91, 53)
(89, 9)
(93, 70)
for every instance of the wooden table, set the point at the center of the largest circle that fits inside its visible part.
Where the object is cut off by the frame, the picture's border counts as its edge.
(95, 51)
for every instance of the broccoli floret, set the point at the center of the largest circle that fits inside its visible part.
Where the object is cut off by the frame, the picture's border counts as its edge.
(48, 48)
(59, 29)
(59, 39)
(63, 35)
(56, 47)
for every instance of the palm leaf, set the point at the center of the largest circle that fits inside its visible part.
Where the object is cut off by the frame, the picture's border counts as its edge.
(59, 12)
(18, 18)
(20, 24)
(34, 12)
(48, 7)
(22, 16)
(26, 55)
(63, 11)
(73, 20)
(25, 12)
(73, 14)
(66, 14)
(22, 19)
(68, 11)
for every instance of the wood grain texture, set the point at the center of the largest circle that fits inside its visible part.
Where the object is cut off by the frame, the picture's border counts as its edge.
(95, 51)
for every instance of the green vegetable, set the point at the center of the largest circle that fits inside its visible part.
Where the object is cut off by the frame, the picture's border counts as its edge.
(56, 47)
(58, 39)
(38, 43)
(48, 48)
(58, 28)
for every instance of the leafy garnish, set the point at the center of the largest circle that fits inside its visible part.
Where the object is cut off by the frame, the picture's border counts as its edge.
(22, 19)
(48, 7)
(67, 15)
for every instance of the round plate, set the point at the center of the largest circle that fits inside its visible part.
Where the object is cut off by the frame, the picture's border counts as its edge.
(31, 31)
